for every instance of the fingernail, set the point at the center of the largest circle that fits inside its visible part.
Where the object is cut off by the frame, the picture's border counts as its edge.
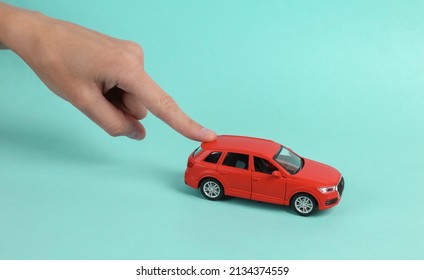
(208, 134)
(136, 135)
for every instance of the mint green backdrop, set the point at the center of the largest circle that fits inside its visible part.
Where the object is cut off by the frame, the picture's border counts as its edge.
(338, 82)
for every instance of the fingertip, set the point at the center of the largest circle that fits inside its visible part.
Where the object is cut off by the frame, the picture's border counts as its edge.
(207, 135)
(136, 135)
(139, 133)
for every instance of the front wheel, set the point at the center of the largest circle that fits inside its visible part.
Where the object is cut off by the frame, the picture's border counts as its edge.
(212, 189)
(304, 204)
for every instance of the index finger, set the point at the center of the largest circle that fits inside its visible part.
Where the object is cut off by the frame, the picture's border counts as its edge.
(165, 108)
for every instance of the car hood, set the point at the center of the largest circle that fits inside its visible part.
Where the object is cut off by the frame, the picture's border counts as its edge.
(319, 173)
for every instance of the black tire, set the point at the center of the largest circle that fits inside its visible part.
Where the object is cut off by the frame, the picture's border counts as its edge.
(212, 189)
(303, 204)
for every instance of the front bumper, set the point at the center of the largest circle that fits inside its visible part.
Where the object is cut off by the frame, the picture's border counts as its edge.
(332, 199)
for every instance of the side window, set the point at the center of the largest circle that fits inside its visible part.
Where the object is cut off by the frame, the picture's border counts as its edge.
(213, 157)
(263, 166)
(237, 160)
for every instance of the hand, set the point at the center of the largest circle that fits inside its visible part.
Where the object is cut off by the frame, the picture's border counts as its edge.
(102, 76)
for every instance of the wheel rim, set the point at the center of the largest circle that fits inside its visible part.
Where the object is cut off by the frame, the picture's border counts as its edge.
(304, 204)
(211, 189)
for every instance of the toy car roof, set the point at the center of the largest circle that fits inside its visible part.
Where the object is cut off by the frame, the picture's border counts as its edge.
(243, 143)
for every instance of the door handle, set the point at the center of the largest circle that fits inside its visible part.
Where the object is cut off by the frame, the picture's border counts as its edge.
(256, 179)
(222, 172)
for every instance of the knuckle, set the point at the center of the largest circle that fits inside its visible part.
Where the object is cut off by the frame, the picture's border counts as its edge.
(114, 129)
(133, 64)
(167, 104)
(141, 114)
(135, 49)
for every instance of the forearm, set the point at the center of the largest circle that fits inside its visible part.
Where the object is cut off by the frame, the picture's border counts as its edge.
(6, 18)
(19, 28)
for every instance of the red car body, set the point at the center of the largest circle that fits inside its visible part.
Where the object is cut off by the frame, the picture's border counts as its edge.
(262, 170)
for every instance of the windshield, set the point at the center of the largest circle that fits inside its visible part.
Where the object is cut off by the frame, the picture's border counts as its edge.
(289, 160)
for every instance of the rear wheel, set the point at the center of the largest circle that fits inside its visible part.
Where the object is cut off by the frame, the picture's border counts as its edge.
(212, 189)
(304, 204)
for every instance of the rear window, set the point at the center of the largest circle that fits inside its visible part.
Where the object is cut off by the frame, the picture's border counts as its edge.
(213, 157)
(197, 151)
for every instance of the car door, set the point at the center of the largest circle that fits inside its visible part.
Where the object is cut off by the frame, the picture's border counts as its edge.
(234, 172)
(266, 186)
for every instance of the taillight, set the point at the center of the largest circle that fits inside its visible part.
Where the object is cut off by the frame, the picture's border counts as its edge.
(190, 162)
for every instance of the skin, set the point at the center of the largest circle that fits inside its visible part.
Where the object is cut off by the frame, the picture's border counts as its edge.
(103, 77)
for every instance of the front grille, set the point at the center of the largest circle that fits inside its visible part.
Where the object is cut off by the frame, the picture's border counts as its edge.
(340, 186)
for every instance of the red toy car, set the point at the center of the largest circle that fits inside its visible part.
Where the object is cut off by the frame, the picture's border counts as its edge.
(263, 170)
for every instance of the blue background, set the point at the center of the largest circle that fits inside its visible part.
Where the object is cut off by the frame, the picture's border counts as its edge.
(338, 82)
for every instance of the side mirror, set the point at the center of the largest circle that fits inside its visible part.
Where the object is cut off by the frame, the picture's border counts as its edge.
(276, 173)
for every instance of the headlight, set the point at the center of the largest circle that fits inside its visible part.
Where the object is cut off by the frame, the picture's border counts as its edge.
(328, 189)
